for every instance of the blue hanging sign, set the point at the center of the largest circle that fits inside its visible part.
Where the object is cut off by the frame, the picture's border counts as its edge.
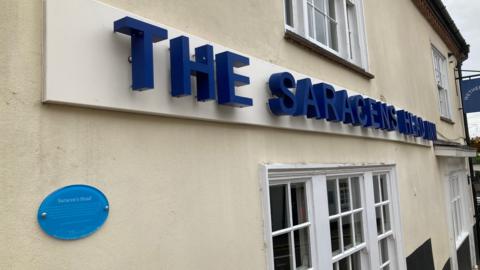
(471, 95)
(73, 212)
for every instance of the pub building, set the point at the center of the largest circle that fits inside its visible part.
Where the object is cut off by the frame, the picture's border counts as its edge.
(276, 135)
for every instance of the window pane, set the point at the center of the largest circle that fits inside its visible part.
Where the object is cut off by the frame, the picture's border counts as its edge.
(356, 261)
(288, 12)
(331, 9)
(356, 195)
(281, 252)
(299, 205)
(358, 223)
(459, 216)
(386, 217)
(278, 207)
(376, 191)
(319, 4)
(332, 197)
(302, 249)
(332, 25)
(378, 213)
(333, 36)
(310, 21)
(335, 236)
(383, 185)
(383, 250)
(347, 232)
(320, 27)
(343, 264)
(344, 194)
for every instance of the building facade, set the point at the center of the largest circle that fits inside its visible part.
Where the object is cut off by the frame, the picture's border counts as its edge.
(283, 170)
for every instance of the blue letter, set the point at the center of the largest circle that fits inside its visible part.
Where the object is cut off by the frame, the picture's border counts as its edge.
(404, 122)
(421, 127)
(414, 121)
(357, 104)
(370, 108)
(326, 101)
(279, 84)
(227, 80)
(392, 118)
(142, 36)
(383, 116)
(306, 100)
(343, 108)
(182, 68)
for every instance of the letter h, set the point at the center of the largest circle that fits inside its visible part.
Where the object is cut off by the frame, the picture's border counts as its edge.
(182, 68)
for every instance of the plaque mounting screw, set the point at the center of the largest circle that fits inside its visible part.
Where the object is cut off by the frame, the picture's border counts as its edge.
(44, 215)
(130, 59)
(106, 208)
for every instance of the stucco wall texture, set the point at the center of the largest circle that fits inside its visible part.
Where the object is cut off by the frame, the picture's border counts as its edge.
(186, 194)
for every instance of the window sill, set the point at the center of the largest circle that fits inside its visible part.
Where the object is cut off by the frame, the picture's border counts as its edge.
(447, 120)
(292, 36)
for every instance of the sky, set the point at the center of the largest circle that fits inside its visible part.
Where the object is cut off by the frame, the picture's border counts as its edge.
(466, 14)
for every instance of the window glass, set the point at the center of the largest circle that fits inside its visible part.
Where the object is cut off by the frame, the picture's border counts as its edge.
(332, 197)
(290, 228)
(378, 214)
(358, 228)
(376, 188)
(278, 207)
(383, 247)
(386, 217)
(299, 210)
(281, 252)
(335, 236)
(456, 208)
(288, 12)
(441, 79)
(347, 232)
(295, 244)
(383, 217)
(383, 187)
(344, 194)
(302, 249)
(331, 24)
(356, 200)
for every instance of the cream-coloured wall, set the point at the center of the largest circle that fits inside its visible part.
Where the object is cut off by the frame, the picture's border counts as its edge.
(185, 194)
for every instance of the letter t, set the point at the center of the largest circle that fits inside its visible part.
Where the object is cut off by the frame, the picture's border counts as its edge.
(143, 35)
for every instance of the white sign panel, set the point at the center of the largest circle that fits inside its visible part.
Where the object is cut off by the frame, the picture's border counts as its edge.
(86, 64)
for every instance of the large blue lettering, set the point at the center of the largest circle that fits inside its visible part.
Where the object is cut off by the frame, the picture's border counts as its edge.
(143, 35)
(357, 104)
(306, 100)
(227, 79)
(326, 101)
(279, 84)
(182, 68)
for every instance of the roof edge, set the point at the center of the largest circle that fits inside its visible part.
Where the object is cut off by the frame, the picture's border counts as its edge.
(437, 15)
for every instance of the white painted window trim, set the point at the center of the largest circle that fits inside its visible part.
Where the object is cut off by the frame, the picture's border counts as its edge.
(300, 27)
(467, 230)
(445, 87)
(317, 173)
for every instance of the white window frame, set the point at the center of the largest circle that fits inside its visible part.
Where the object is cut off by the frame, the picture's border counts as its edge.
(321, 254)
(291, 227)
(300, 27)
(442, 85)
(459, 235)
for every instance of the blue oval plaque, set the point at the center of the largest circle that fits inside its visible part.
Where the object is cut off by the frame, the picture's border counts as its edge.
(73, 212)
